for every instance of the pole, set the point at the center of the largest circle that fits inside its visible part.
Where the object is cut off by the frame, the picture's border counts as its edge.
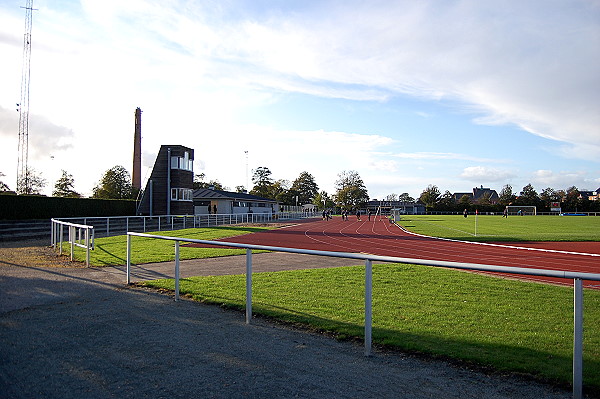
(368, 306)
(176, 270)
(578, 339)
(128, 259)
(248, 285)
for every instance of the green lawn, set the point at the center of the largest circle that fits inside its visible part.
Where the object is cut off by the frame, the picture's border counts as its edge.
(513, 228)
(113, 250)
(509, 325)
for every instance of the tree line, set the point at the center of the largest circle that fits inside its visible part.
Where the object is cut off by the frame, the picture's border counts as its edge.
(569, 199)
(350, 192)
(116, 183)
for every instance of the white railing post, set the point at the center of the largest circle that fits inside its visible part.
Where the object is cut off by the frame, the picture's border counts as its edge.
(176, 270)
(61, 239)
(578, 339)
(128, 259)
(248, 285)
(71, 239)
(368, 306)
(87, 246)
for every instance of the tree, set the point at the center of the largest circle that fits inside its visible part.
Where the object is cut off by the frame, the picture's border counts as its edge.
(279, 191)
(261, 177)
(305, 188)
(350, 191)
(572, 202)
(323, 201)
(430, 196)
(64, 186)
(200, 183)
(549, 195)
(506, 196)
(464, 202)
(446, 201)
(528, 196)
(31, 183)
(3, 186)
(240, 189)
(391, 197)
(115, 184)
(405, 197)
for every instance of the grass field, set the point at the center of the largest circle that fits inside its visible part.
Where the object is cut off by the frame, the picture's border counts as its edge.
(509, 325)
(513, 228)
(113, 250)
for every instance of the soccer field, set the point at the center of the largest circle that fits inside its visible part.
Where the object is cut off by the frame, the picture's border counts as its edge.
(497, 228)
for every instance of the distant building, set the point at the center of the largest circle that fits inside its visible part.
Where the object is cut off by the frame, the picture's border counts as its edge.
(590, 195)
(478, 194)
(169, 189)
(227, 202)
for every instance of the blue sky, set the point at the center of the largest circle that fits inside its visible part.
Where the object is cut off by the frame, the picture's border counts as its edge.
(453, 93)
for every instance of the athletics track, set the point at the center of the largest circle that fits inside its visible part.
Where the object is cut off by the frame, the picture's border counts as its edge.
(379, 237)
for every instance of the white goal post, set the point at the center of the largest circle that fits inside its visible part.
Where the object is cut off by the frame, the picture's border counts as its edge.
(521, 210)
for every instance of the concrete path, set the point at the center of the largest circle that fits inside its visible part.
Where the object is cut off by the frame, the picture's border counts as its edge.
(82, 333)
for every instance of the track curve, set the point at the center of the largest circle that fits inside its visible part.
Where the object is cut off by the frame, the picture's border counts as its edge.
(379, 237)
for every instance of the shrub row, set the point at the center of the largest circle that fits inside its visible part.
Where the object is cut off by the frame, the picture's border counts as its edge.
(19, 207)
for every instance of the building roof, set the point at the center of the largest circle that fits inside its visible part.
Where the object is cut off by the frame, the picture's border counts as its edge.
(208, 194)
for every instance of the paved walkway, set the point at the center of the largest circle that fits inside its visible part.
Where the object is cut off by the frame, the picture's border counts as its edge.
(81, 333)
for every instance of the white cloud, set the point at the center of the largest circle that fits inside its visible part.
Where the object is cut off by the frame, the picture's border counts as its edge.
(543, 178)
(486, 174)
(193, 66)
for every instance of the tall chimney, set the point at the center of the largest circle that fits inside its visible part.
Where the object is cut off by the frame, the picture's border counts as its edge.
(137, 151)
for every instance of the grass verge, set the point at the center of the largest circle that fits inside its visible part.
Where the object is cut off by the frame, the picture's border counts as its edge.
(508, 325)
(496, 228)
(111, 251)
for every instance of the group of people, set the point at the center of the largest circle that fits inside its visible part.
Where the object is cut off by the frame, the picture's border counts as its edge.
(345, 213)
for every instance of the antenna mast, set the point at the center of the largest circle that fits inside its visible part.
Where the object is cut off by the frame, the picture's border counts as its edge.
(23, 184)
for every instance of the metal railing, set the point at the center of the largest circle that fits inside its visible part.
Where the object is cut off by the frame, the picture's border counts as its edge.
(117, 225)
(576, 276)
(79, 235)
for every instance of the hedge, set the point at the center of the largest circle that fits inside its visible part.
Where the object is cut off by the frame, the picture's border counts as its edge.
(19, 207)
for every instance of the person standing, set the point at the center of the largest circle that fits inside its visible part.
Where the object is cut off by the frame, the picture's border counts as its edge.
(465, 213)
(358, 215)
(505, 213)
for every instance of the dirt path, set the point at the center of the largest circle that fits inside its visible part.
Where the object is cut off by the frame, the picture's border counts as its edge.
(77, 332)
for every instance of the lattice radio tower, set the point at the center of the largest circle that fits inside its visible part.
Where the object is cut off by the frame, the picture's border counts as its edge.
(23, 106)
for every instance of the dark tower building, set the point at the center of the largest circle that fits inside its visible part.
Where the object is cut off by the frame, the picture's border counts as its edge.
(137, 151)
(169, 189)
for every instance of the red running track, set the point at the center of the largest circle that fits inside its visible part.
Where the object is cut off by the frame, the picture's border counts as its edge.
(379, 237)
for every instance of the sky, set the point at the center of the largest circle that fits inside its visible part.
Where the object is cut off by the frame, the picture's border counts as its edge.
(457, 94)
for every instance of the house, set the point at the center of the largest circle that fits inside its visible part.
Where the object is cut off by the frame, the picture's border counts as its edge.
(169, 188)
(590, 195)
(227, 202)
(478, 194)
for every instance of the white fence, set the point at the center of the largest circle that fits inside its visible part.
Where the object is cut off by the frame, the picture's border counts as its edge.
(577, 283)
(78, 235)
(116, 225)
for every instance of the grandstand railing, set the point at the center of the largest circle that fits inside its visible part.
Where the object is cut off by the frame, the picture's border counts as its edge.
(117, 225)
(79, 235)
(368, 259)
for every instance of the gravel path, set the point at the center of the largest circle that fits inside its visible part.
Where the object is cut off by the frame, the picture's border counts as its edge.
(81, 333)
